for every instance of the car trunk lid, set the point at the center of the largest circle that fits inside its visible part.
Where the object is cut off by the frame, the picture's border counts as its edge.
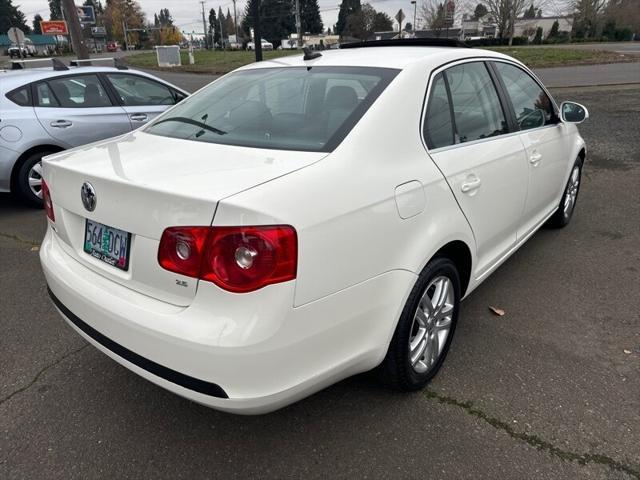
(145, 183)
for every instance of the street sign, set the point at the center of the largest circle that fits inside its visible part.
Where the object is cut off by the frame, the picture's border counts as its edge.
(98, 31)
(16, 35)
(86, 14)
(54, 27)
(400, 16)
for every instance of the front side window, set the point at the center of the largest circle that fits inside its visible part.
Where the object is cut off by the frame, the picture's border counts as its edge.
(476, 105)
(136, 91)
(533, 107)
(81, 91)
(293, 108)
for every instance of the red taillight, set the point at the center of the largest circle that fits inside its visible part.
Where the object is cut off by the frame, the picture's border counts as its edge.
(238, 259)
(46, 200)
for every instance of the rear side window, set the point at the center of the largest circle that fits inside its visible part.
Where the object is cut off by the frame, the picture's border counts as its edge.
(82, 91)
(292, 108)
(438, 127)
(138, 91)
(21, 96)
(533, 107)
(476, 105)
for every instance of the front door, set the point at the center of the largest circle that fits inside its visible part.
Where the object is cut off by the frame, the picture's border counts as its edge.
(142, 98)
(545, 141)
(76, 110)
(485, 166)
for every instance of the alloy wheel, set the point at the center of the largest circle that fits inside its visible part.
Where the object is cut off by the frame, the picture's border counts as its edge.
(431, 324)
(571, 194)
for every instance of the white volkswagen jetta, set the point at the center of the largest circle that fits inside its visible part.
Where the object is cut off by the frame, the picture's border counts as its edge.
(304, 219)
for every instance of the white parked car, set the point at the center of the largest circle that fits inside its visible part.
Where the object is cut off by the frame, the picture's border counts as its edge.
(46, 110)
(265, 45)
(302, 220)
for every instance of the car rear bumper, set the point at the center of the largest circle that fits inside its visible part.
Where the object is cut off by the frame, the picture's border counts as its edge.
(250, 353)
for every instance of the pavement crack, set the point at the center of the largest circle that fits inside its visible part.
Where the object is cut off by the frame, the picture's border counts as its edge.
(42, 372)
(17, 238)
(534, 440)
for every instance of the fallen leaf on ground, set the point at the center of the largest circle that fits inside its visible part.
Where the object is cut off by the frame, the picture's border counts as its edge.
(497, 311)
(626, 351)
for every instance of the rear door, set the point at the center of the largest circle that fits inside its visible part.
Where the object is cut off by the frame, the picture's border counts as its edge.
(469, 136)
(142, 98)
(545, 141)
(76, 110)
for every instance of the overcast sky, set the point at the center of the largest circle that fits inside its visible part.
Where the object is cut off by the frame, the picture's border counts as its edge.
(187, 14)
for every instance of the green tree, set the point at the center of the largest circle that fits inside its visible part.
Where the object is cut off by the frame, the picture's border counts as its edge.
(11, 16)
(214, 25)
(276, 19)
(229, 26)
(55, 10)
(36, 24)
(538, 38)
(530, 12)
(382, 22)
(310, 17)
(480, 11)
(553, 33)
(347, 7)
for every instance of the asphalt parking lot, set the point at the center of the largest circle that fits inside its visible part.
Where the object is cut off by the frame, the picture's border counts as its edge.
(549, 390)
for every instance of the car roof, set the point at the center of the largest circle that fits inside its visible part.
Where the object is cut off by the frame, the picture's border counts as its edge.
(398, 57)
(10, 79)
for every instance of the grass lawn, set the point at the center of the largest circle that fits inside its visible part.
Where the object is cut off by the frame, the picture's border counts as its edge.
(540, 57)
(207, 61)
(219, 62)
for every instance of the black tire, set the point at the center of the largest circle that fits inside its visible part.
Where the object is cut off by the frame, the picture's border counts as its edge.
(561, 218)
(397, 370)
(22, 180)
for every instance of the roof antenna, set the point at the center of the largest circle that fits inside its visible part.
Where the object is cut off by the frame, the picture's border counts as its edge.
(309, 55)
(58, 65)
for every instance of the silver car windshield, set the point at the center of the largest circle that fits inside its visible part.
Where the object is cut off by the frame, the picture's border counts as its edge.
(294, 108)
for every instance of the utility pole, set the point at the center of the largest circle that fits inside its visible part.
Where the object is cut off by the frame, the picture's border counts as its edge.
(298, 24)
(204, 26)
(235, 20)
(71, 15)
(257, 34)
(126, 36)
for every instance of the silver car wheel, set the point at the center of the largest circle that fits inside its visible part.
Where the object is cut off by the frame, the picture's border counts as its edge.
(431, 324)
(35, 179)
(572, 191)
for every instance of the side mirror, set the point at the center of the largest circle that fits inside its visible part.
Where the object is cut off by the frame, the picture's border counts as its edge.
(572, 112)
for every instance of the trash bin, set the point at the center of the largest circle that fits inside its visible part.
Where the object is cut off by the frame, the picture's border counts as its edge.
(168, 56)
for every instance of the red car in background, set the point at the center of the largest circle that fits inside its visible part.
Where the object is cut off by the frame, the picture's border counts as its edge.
(112, 47)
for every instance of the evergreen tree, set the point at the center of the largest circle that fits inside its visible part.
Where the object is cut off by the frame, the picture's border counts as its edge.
(530, 12)
(382, 22)
(36, 24)
(277, 21)
(347, 7)
(537, 40)
(229, 26)
(480, 11)
(55, 10)
(11, 16)
(310, 17)
(214, 26)
(221, 21)
(554, 29)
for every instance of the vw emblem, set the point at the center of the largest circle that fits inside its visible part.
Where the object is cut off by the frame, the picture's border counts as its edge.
(88, 195)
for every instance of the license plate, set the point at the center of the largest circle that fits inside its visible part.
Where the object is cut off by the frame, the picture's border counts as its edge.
(107, 244)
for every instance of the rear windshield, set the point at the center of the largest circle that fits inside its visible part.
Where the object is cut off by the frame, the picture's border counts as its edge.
(308, 109)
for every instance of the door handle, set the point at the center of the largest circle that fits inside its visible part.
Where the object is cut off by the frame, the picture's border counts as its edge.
(61, 124)
(472, 183)
(138, 117)
(534, 158)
